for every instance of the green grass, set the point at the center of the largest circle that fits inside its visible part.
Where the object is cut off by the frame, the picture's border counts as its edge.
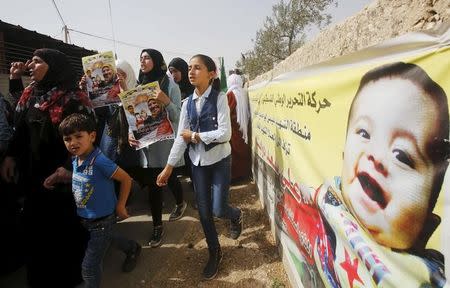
(277, 284)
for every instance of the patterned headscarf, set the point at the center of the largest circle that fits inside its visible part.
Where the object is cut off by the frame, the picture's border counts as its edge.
(58, 86)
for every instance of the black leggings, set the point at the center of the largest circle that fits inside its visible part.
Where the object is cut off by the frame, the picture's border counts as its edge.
(147, 177)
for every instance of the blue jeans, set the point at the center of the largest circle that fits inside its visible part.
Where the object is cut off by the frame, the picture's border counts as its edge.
(100, 237)
(212, 185)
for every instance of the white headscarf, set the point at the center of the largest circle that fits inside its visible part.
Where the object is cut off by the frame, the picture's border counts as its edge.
(234, 83)
(126, 67)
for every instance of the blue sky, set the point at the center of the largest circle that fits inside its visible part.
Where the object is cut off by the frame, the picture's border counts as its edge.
(177, 28)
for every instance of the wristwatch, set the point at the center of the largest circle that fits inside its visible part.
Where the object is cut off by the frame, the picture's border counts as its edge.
(193, 140)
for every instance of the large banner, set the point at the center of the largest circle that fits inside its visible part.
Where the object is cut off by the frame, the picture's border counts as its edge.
(350, 158)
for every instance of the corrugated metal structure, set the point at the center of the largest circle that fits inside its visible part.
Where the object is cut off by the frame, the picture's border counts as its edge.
(18, 44)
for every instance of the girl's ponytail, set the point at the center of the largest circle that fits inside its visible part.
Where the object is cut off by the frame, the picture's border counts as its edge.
(216, 84)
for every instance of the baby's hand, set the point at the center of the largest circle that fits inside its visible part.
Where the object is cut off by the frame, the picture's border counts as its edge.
(307, 194)
(122, 212)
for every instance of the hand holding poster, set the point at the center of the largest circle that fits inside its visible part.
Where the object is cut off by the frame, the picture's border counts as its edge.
(147, 118)
(100, 79)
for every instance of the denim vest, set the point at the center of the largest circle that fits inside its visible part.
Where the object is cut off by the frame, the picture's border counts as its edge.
(208, 116)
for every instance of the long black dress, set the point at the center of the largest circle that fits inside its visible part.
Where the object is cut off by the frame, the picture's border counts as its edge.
(54, 238)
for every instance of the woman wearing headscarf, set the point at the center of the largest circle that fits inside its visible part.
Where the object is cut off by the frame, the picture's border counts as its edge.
(114, 133)
(53, 232)
(153, 158)
(240, 118)
(179, 70)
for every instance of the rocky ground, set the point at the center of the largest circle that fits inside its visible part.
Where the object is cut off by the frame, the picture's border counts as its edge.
(251, 261)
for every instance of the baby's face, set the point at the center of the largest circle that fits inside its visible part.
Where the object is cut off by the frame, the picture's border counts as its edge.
(387, 174)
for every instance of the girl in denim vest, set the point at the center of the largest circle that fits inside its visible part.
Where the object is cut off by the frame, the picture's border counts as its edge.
(206, 128)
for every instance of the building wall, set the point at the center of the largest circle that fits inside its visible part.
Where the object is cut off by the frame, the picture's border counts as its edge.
(379, 21)
(4, 84)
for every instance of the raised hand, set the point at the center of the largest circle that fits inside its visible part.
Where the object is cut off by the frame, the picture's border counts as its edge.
(18, 69)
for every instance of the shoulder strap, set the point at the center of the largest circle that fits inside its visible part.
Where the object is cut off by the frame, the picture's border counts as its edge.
(188, 108)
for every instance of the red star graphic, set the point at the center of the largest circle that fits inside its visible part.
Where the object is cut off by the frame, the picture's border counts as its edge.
(351, 269)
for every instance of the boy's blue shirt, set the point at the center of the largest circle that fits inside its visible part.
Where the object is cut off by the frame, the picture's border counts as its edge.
(92, 186)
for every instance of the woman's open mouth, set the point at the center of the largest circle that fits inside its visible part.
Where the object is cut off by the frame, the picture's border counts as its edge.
(372, 189)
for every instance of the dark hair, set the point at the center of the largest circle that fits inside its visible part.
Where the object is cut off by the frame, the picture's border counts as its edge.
(159, 67)
(186, 87)
(210, 66)
(438, 148)
(76, 123)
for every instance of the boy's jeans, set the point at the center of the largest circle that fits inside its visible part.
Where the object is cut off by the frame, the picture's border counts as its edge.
(100, 237)
(212, 184)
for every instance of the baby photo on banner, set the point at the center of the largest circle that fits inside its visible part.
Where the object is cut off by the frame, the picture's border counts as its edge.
(357, 153)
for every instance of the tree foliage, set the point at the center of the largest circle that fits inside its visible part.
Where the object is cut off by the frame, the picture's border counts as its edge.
(283, 33)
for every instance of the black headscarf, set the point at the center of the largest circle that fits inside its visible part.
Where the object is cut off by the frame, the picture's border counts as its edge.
(159, 68)
(181, 65)
(60, 73)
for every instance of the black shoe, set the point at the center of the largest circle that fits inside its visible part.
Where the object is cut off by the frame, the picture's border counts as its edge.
(130, 261)
(212, 267)
(158, 234)
(178, 212)
(236, 227)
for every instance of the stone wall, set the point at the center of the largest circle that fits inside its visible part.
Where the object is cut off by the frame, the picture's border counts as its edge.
(379, 21)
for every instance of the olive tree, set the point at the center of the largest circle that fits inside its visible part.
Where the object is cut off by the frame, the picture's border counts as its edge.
(283, 33)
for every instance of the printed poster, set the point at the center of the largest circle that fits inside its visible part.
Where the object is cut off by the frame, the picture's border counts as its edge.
(101, 79)
(357, 150)
(147, 118)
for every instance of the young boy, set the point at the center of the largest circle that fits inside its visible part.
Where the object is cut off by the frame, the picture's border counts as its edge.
(377, 218)
(93, 190)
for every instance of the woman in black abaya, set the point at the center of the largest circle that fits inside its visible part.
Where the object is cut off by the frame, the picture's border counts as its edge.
(54, 238)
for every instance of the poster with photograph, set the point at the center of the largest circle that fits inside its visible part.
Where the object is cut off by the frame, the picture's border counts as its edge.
(101, 79)
(359, 165)
(147, 118)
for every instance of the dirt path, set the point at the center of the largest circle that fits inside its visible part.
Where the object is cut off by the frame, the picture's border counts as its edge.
(251, 261)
